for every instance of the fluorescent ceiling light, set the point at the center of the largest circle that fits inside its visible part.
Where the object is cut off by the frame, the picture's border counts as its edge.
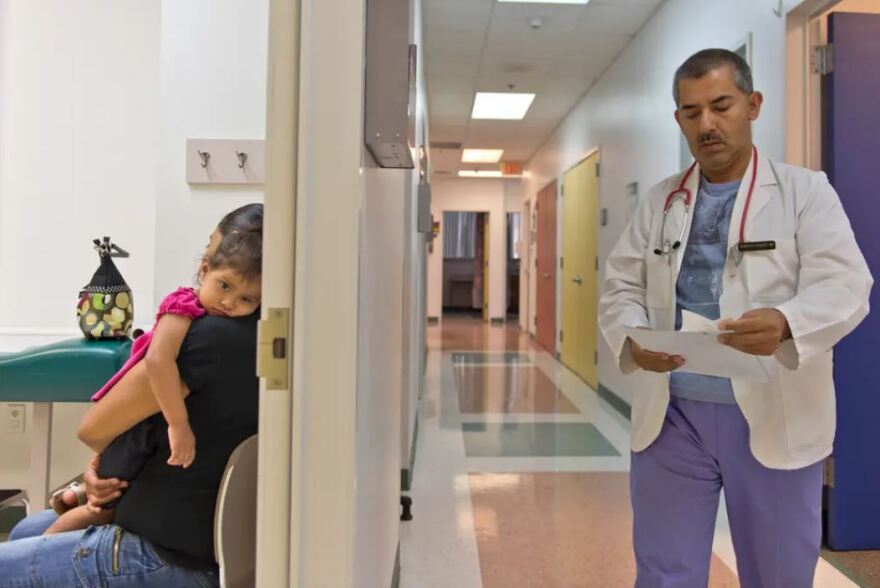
(473, 173)
(481, 155)
(501, 105)
(547, 1)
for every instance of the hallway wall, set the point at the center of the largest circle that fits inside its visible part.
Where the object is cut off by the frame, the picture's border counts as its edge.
(414, 270)
(628, 113)
(390, 310)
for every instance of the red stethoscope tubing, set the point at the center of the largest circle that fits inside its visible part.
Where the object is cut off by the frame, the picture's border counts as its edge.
(687, 193)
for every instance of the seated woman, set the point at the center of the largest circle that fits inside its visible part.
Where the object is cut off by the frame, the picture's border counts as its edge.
(163, 532)
(243, 221)
(229, 286)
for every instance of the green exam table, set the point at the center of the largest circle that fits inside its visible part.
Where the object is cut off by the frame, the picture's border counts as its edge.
(67, 371)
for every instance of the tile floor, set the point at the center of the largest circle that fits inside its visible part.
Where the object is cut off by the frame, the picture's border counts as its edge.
(521, 474)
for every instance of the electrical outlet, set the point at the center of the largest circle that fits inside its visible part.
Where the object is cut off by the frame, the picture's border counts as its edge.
(15, 418)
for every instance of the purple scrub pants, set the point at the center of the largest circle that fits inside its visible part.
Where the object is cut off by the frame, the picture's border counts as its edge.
(775, 515)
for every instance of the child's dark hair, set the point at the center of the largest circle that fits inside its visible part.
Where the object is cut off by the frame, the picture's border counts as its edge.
(241, 252)
(245, 219)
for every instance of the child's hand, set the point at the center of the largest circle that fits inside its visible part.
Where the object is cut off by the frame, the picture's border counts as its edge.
(183, 445)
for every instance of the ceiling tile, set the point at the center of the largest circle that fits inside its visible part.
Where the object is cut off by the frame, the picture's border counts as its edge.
(611, 19)
(518, 18)
(473, 45)
(454, 43)
(459, 15)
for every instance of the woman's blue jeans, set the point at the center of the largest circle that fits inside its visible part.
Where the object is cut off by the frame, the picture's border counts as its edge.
(97, 557)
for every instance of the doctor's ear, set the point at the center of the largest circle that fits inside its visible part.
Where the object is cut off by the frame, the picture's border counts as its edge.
(756, 99)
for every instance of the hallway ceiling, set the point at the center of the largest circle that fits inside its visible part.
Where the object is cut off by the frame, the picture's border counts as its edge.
(489, 46)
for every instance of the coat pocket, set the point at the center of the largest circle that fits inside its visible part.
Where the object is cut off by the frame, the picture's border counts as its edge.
(772, 276)
(808, 404)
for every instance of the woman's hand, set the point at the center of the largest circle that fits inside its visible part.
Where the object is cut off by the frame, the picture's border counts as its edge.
(654, 361)
(100, 491)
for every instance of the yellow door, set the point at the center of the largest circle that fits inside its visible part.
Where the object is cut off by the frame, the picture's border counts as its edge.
(580, 203)
(590, 287)
(485, 217)
(570, 303)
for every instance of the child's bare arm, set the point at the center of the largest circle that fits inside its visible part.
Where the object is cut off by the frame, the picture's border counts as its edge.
(130, 402)
(164, 377)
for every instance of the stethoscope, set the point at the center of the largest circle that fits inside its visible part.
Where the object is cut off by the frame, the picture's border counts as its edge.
(684, 195)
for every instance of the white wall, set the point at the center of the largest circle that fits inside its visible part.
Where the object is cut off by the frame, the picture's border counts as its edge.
(380, 370)
(213, 86)
(97, 98)
(78, 133)
(388, 361)
(390, 343)
(628, 113)
(78, 120)
(495, 196)
(414, 268)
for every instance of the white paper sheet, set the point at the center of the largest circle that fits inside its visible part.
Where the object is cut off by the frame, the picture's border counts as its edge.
(695, 323)
(702, 352)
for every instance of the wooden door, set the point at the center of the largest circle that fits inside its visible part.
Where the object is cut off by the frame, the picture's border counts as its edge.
(580, 204)
(546, 264)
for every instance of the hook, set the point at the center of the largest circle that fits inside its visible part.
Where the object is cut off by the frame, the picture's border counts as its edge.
(242, 158)
(205, 156)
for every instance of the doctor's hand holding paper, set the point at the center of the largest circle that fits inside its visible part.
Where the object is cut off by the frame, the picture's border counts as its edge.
(757, 332)
(762, 253)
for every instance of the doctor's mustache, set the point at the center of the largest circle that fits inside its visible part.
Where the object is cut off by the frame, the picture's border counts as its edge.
(709, 137)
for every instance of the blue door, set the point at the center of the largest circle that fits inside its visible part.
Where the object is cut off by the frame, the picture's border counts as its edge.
(852, 160)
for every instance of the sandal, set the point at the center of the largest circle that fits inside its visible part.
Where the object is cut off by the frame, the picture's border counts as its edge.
(57, 499)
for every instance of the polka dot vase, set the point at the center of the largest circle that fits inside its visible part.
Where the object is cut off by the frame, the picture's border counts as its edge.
(105, 315)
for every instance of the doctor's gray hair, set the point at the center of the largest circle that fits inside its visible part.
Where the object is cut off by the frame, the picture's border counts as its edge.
(702, 62)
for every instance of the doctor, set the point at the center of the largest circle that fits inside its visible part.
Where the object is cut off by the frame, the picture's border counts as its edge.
(767, 248)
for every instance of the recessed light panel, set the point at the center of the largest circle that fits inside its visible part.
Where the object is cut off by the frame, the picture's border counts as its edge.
(482, 155)
(501, 105)
(547, 1)
(473, 173)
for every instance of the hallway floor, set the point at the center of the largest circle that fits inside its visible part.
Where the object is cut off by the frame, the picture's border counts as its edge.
(521, 475)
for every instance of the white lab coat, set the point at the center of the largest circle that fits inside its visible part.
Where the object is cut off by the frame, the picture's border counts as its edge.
(816, 276)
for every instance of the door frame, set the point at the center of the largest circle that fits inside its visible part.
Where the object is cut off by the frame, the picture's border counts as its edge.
(274, 529)
(525, 267)
(306, 523)
(509, 252)
(803, 113)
